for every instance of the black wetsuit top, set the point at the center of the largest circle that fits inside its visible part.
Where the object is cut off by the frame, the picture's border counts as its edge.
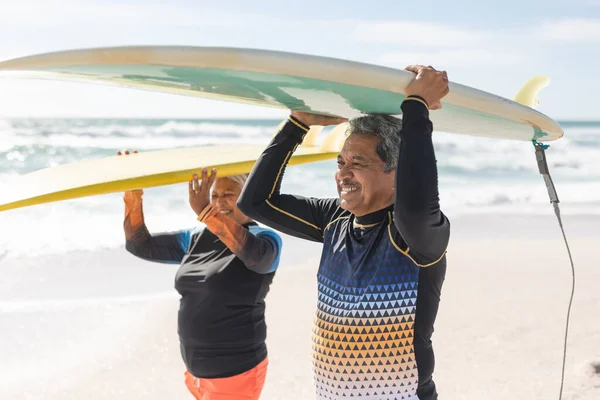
(221, 321)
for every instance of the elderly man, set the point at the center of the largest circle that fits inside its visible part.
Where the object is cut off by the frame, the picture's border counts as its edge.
(384, 242)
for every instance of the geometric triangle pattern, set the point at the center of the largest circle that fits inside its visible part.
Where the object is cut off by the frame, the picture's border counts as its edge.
(362, 342)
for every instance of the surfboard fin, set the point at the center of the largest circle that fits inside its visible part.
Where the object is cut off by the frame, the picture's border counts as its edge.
(310, 139)
(527, 95)
(334, 141)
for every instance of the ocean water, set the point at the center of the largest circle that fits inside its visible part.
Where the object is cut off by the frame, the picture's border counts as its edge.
(477, 175)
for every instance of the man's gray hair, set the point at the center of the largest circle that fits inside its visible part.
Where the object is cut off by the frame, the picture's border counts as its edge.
(239, 179)
(387, 129)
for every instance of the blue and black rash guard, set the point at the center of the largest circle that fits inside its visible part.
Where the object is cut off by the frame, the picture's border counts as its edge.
(221, 320)
(380, 275)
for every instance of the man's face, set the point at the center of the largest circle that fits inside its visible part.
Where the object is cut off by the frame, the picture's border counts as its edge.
(362, 184)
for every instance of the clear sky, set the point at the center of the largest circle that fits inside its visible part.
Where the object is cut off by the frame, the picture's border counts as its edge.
(491, 46)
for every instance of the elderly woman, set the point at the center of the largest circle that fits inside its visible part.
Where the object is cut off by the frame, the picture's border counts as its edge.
(224, 276)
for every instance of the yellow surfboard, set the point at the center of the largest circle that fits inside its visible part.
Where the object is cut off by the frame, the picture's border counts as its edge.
(151, 169)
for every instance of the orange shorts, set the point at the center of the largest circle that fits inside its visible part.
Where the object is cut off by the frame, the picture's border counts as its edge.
(245, 386)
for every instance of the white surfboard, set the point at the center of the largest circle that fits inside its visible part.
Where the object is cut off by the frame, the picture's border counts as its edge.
(291, 81)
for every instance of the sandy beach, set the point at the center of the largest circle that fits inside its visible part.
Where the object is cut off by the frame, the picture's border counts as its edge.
(499, 333)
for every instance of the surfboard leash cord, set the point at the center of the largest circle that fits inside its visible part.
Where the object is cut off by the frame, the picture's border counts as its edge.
(540, 155)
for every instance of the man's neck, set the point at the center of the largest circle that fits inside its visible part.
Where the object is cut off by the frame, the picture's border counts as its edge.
(373, 217)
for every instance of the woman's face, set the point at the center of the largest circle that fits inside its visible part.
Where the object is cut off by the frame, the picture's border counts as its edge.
(225, 194)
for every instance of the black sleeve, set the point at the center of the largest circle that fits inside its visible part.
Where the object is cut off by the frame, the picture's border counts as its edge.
(417, 215)
(167, 247)
(257, 247)
(261, 258)
(265, 253)
(260, 199)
